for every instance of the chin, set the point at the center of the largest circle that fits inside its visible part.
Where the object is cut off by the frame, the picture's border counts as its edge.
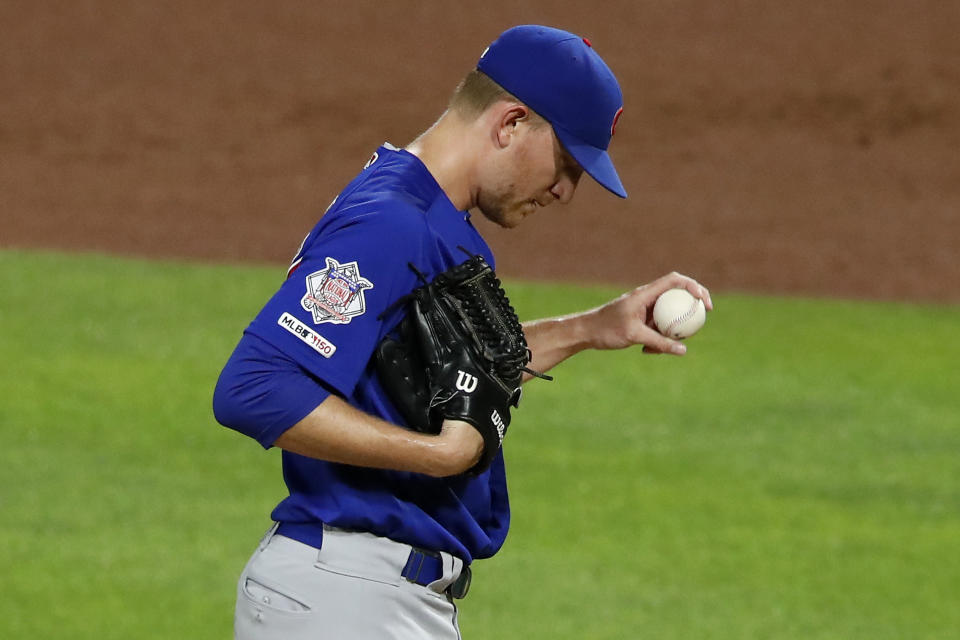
(507, 219)
(513, 219)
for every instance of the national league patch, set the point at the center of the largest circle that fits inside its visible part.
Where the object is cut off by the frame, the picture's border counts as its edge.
(335, 294)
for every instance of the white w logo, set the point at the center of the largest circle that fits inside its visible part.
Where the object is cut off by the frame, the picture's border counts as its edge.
(466, 382)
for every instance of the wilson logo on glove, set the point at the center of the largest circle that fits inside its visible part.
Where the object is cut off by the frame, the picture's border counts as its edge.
(498, 423)
(466, 382)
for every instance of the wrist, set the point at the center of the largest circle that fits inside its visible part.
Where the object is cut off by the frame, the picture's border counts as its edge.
(456, 449)
(577, 328)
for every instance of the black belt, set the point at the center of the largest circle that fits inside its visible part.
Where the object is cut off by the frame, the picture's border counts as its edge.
(424, 567)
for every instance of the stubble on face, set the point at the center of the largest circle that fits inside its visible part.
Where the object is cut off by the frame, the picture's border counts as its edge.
(503, 209)
(523, 186)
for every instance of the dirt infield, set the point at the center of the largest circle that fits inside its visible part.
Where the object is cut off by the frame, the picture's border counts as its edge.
(804, 147)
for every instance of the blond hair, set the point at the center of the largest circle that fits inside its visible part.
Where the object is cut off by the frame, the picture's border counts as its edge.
(477, 92)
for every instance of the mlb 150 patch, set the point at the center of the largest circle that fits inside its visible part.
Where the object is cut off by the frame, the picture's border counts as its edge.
(307, 335)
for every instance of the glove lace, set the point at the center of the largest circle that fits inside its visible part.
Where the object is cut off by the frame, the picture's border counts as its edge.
(498, 327)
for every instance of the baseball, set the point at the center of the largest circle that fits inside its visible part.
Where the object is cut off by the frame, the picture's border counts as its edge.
(678, 314)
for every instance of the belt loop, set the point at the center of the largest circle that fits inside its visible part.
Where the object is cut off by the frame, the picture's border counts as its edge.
(265, 540)
(461, 586)
(411, 571)
(426, 568)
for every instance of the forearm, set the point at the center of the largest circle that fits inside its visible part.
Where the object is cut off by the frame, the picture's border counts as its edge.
(337, 432)
(553, 340)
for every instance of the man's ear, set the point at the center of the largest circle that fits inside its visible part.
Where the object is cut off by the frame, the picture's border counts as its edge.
(509, 116)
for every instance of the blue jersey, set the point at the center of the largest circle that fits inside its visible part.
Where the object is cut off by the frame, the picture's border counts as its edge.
(317, 335)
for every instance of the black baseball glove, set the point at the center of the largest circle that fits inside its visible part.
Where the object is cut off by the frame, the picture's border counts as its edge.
(460, 355)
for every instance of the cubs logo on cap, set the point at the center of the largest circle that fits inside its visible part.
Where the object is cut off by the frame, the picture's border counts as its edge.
(561, 77)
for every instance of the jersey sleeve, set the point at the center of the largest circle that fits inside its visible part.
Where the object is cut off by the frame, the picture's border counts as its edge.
(261, 393)
(326, 315)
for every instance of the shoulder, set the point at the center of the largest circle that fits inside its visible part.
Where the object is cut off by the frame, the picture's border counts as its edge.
(385, 222)
(392, 192)
(382, 214)
(393, 174)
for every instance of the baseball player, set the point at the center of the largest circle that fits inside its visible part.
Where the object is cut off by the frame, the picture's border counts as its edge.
(384, 519)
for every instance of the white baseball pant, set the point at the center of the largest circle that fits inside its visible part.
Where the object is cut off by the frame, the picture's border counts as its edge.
(350, 588)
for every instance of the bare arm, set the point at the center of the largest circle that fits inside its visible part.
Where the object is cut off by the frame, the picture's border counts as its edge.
(337, 432)
(620, 323)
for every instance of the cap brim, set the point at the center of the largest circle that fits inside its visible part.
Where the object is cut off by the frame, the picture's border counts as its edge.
(596, 162)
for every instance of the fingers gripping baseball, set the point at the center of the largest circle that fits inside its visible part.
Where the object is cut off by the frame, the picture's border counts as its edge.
(628, 320)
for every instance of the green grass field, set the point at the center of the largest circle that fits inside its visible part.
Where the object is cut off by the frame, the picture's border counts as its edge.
(797, 475)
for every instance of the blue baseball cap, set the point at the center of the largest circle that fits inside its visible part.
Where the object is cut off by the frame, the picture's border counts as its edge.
(560, 76)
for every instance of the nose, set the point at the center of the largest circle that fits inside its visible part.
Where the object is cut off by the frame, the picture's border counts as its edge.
(564, 188)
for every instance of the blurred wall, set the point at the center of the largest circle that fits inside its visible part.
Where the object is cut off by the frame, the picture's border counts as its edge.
(792, 146)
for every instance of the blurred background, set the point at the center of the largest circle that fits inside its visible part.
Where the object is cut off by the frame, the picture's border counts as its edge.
(806, 147)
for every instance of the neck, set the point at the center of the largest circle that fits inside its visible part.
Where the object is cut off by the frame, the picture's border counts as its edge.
(446, 150)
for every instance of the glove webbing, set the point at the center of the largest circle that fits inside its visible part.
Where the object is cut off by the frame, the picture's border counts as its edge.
(479, 297)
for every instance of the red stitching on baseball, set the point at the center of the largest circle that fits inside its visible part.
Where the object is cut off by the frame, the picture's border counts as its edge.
(684, 317)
